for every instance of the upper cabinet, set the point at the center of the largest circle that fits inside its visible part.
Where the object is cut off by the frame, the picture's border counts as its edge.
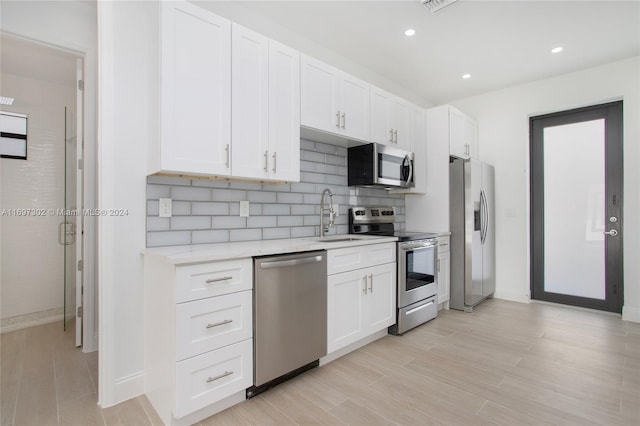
(220, 116)
(390, 119)
(264, 108)
(418, 145)
(333, 101)
(195, 96)
(463, 139)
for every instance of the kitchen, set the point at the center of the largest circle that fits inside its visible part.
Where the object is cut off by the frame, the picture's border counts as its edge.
(122, 239)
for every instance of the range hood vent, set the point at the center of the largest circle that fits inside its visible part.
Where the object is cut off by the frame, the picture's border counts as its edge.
(435, 5)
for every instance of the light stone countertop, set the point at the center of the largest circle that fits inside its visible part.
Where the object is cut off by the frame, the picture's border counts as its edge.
(200, 253)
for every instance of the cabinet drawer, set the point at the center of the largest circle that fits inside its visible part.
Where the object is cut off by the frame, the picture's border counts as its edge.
(213, 279)
(351, 258)
(208, 378)
(207, 324)
(443, 244)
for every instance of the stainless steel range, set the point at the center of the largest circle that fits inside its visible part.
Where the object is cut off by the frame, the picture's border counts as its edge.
(416, 259)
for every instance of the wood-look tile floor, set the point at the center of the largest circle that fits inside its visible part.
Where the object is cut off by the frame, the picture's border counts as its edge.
(504, 364)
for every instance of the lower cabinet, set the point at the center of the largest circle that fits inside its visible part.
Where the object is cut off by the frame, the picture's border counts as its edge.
(198, 337)
(444, 271)
(361, 301)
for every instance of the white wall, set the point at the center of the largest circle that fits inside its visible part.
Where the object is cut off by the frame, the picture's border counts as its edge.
(503, 123)
(32, 278)
(70, 25)
(128, 118)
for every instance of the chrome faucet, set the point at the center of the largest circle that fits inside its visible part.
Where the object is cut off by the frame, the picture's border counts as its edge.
(325, 228)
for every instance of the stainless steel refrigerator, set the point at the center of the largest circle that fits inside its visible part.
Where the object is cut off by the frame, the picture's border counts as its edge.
(472, 223)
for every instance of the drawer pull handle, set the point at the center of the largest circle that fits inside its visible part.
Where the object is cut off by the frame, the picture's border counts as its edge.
(219, 323)
(215, 280)
(220, 376)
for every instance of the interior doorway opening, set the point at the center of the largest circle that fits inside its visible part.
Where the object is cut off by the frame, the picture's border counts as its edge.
(41, 195)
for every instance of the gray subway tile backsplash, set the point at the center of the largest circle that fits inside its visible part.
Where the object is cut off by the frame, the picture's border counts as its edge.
(207, 211)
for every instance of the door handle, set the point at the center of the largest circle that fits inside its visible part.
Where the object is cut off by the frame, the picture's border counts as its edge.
(371, 283)
(364, 290)
(338, 119)
(613, 233)
(344, 120)
(274, 162)
(266, 161)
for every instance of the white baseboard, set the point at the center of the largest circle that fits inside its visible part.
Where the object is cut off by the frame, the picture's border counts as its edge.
(631, 314)
(128, 387)
(511, 296)
(20, 322)
(352, 347)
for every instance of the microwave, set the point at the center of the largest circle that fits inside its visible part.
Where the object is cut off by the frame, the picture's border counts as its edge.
(375, 164)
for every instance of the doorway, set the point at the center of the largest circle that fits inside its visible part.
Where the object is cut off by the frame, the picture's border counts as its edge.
(41, 194)
(576, 207)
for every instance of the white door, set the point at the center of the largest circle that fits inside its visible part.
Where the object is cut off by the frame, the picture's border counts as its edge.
(401, 122)
(319, 103)
(462, 139)
(284, 112)
(354, 107)
(195, 90)
(380, 300)
(380, 127)
(249, 103)
(345, 293)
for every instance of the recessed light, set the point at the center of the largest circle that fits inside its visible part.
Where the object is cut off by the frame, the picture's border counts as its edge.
(410, 32)
(556, 49)
(466, 76)
(4, 100)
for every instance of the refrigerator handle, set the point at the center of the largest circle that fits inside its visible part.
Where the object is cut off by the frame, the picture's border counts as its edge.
(486, 216)
(483, 217)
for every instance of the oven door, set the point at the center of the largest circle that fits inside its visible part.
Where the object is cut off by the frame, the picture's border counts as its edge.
(416, 271)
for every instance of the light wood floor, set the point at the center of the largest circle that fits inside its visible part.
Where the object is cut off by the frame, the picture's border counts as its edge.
(505, 364)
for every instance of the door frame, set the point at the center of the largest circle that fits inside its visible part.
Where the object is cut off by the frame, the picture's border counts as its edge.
(612, 112)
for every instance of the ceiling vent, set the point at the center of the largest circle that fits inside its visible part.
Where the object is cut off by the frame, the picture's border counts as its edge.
(435, 5)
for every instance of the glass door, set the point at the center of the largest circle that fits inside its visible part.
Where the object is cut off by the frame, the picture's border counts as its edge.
(576, 207)
(67, 229)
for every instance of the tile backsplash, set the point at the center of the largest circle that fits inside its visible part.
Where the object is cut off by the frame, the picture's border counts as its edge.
(207, 211)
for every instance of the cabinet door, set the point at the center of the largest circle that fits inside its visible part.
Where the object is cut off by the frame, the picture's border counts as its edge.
(462, 135)
(419, 148)
(344, 308)
(195, 90)
(380, 300)
(400, 122)
(249, 104)
(354, 107)
(318, 95)
(284, 113)
(380, 107)
(444, 262)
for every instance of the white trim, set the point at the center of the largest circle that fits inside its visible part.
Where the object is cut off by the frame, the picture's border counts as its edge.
(352, 347)
(31, 320)
(512, 296)
(631, 314)
(106, 108)
(128, 387)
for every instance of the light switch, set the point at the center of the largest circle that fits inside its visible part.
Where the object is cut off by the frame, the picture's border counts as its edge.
(244, 209)
(164, 209)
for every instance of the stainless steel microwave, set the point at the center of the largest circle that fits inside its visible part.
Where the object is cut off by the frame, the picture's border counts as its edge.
(375, 164)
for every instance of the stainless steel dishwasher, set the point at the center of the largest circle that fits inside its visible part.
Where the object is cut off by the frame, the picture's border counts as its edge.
(290, 316)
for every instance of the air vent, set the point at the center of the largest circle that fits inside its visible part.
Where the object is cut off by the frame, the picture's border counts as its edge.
(435, 5)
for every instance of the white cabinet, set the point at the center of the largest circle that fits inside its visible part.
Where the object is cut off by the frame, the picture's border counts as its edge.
(229, 100)
(419, 148)
(361, 293)
(333, 101)
(265, 108)
(462, 135)
(444, 271)
(198, 322)
(390, 119)
(195, 95)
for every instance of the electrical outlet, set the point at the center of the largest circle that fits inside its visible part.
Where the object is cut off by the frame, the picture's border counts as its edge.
(164, 207)
(244, 209)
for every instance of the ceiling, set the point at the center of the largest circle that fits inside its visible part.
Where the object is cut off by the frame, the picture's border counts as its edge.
(500, 43)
